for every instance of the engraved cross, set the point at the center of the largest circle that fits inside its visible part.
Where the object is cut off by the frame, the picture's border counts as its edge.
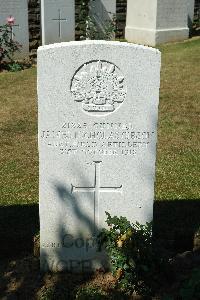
(59, 20)
(96, 189)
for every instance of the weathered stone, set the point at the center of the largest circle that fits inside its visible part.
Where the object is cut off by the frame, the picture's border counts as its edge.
(82, 12)
(58, 21)
(98, 104)
(156, 22)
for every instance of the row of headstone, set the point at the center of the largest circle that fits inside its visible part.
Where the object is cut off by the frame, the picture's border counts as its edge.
(57, 19)
(150, 24)
(98, 109)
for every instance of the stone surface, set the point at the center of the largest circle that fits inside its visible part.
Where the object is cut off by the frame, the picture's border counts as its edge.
(98, 105)
(118, 7)
(19, 10)
(58, 21)
(80, 14)
(190, 4)
(156, 22)
(102, 11)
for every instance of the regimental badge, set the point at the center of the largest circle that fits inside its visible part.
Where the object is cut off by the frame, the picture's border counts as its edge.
(100, 86)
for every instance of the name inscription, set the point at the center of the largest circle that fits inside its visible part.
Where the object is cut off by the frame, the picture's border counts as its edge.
(96, 138)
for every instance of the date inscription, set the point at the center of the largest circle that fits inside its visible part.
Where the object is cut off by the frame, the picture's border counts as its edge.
(96, 138)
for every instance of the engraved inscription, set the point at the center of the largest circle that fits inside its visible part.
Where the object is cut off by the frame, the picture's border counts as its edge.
(100, 86)
(110, 139)
(96, 189)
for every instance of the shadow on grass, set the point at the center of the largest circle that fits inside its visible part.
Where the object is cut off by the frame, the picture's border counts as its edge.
(18, 225)
(175, 222)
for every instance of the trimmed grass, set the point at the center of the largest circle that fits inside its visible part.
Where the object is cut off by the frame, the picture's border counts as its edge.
(19, 157)
(178, 163)
(178, 159)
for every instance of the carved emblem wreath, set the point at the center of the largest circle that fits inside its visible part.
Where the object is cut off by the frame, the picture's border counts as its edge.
(99, 86)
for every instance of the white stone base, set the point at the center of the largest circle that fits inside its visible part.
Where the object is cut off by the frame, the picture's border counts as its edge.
(152, 37)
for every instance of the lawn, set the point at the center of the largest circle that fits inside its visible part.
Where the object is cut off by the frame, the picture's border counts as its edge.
(178, 159)
(19, 156)
(178, 162)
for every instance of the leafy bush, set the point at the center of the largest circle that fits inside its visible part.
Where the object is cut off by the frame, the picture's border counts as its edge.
(133, 260)
(8, 46)
(14, 67)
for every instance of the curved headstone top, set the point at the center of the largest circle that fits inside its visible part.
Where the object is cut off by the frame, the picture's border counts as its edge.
(98, 108)
(97, 42)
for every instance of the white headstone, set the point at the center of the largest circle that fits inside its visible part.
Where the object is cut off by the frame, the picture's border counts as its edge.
(190, 12)
(98, 107)
(20, 32)
(156, 21)
(58, 21)
(103, 11)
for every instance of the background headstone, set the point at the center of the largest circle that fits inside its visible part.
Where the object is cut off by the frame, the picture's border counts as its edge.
(103, 12)
(190, 13)
(19, 10)
(58, 21)
(157, 21)
(98, 106)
